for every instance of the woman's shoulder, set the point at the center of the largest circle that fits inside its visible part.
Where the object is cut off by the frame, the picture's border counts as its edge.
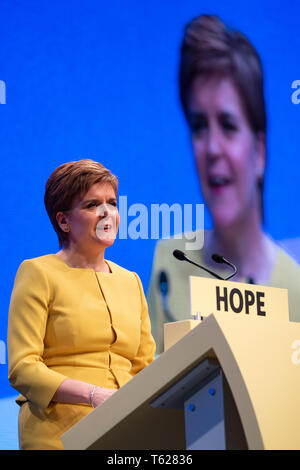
(45, 266)
(128, 279)
(117, 269)
(41, 262)
(285, 271)
(286, 274)
(36, 273)
(285, 264)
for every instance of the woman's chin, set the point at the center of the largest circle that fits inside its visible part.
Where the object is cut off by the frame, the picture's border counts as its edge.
(106, 239)
(224, 219)
(107, 242)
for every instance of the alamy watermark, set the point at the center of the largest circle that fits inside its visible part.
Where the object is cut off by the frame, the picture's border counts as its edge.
(2, 352)
(296, 354)
(296, 94)
(160, 221)
(2, 92)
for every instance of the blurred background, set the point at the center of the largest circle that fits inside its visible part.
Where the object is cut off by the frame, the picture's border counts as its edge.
(98, 80)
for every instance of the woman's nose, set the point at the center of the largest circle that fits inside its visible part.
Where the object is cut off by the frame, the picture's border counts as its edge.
(102, 210)
(214, 142)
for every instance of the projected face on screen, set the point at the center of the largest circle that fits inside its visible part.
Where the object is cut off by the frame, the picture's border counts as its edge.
(230, 158)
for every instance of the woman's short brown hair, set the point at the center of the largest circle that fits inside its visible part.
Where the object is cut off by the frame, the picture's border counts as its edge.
(70, 181)
(209, 48)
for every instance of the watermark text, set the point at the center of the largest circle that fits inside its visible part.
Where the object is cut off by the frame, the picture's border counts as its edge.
(296, 94)
(2, 92)
(296, 354)
(2, 352)
(159, 221)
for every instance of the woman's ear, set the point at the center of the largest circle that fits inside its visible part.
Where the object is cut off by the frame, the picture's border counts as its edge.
(260, 155)
(63, 222)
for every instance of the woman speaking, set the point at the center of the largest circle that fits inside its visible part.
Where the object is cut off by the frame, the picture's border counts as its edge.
(78, 324)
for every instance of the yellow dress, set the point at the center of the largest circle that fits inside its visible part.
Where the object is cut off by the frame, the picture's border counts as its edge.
(285, 274)
(71, 323)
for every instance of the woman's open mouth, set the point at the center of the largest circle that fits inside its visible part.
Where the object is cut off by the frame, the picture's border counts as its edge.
(218, 183)
(105, 228)
(106, 231)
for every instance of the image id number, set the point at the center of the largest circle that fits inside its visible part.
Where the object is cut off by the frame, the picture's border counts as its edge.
(171, 459)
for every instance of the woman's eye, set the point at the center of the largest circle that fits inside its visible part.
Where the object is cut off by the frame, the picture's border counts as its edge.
(197, 124)
(94, 205)
(228, 126)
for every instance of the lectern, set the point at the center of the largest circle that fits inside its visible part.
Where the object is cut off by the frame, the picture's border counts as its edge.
(229, 379)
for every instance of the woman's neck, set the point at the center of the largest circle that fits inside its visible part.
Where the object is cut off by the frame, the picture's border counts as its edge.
(76, 257)
(246, 245)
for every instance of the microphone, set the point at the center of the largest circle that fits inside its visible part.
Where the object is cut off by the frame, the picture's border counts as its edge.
(163, 287)
(182, 257)
(221, 260)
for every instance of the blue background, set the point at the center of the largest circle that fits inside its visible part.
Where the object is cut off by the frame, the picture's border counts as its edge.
(98, 80)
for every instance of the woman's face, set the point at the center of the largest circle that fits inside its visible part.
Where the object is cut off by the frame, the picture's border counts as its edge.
(230, 158)
(94, 219)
